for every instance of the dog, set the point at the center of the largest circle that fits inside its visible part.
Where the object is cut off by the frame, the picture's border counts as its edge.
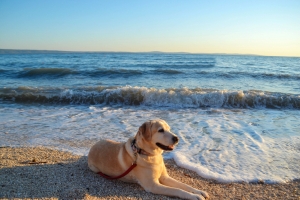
(145, 150)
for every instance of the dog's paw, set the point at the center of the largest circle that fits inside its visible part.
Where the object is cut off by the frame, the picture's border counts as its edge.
(202, 193)
(205, 194)
(198, 197)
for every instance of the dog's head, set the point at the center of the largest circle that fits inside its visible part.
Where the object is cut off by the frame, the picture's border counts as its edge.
(157, 134)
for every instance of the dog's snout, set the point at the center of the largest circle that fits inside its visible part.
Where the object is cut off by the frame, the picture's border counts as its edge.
(175, 139)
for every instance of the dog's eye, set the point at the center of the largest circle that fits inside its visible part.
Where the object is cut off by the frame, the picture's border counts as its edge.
(161, 130)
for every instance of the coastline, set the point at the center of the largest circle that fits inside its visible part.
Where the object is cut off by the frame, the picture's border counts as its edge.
(43, 173)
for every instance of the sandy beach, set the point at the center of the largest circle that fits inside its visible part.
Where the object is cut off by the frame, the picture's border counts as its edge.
(42, 173)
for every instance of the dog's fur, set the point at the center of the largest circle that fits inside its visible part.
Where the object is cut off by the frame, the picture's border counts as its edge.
(153, 137)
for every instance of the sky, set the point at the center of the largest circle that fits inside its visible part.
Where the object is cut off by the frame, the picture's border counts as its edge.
(262, 27)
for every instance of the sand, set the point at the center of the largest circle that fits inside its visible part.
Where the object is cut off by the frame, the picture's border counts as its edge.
(42, 173)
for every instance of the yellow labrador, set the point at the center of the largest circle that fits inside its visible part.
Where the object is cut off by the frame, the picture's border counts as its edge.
(145, 149)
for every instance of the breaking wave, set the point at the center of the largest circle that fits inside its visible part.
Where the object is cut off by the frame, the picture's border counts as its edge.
(136, 96)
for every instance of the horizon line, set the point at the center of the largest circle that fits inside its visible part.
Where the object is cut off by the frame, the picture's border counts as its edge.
(29, 51)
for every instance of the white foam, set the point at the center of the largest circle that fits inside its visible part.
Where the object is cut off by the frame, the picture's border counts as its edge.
(225, 145)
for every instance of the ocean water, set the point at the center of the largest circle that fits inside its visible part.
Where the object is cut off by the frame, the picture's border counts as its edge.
(237, 117)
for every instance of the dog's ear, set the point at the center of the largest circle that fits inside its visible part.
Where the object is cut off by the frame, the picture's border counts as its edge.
(145, 131)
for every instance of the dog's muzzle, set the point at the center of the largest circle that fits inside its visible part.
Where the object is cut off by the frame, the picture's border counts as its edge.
(175, 140)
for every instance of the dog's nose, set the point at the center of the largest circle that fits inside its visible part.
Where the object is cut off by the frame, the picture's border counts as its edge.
(175, 139)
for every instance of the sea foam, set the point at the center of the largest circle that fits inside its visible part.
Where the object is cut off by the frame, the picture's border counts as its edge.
(225, 145)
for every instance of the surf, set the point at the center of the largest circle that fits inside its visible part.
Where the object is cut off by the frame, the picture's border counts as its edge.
(143, 96)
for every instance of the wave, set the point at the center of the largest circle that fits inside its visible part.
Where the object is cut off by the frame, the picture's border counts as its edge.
(168, 71)
(111, 72)
(39, 72)
(235, 74)
(142, 96)
(61, 72)
(268, 75)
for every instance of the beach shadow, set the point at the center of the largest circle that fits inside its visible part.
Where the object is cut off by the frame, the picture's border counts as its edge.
(64, 180)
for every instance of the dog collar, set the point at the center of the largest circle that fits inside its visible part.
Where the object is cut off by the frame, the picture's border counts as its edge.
(138, 150)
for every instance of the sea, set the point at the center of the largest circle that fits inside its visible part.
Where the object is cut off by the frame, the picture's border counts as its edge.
(237, 116)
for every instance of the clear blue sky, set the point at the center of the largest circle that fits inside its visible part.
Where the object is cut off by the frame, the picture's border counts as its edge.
(265, 27)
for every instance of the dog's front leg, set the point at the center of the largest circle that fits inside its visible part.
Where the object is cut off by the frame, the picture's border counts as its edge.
(167, 180)
(157, 188)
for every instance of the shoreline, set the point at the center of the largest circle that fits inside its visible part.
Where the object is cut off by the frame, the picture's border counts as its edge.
(43, 173)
